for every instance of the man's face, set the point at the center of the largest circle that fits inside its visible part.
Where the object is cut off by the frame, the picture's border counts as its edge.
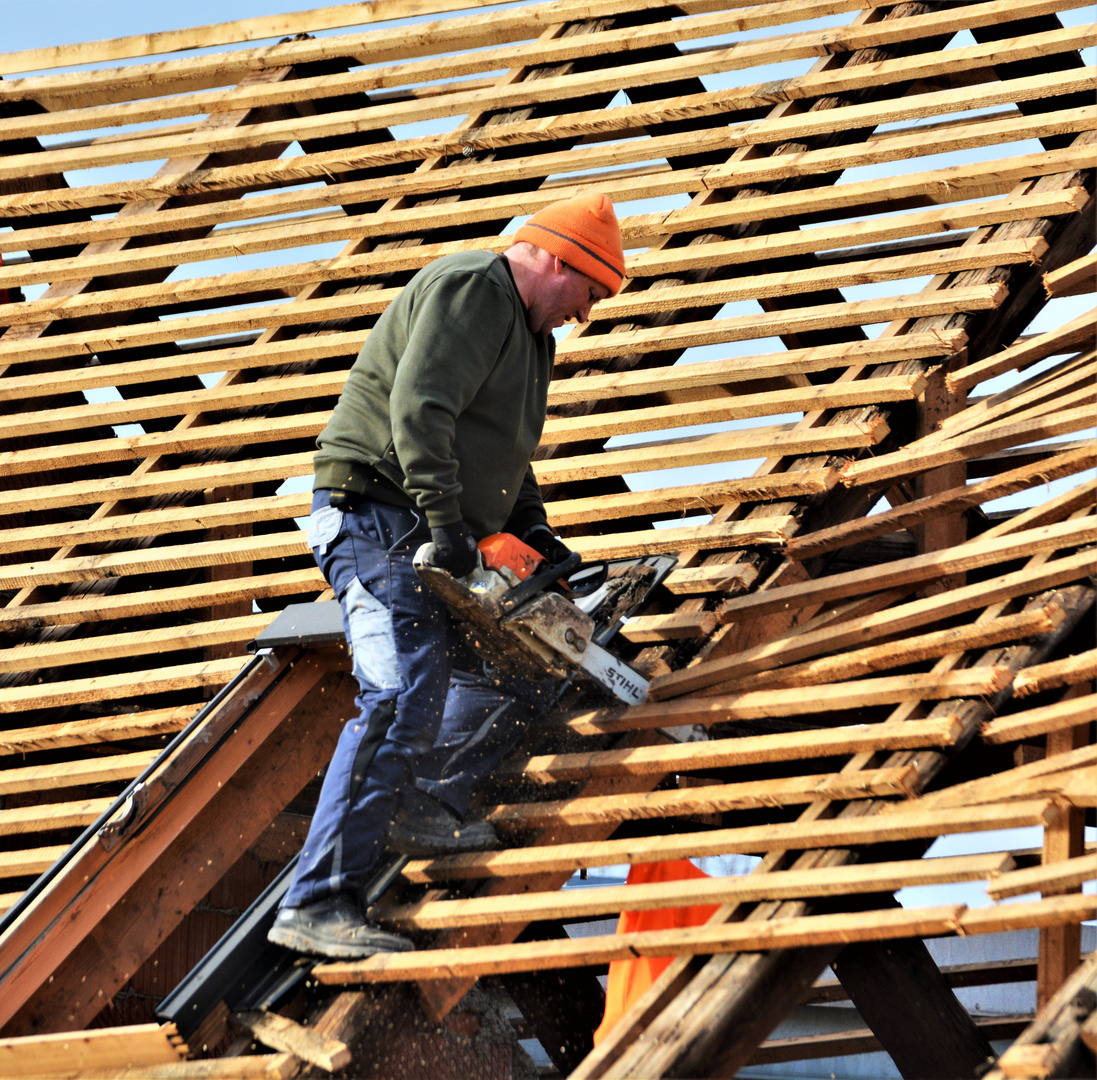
(562, 294)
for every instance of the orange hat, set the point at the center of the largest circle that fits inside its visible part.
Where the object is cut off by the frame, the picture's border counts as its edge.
(582, 231)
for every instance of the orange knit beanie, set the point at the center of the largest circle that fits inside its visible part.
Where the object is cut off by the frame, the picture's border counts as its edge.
(582, 231)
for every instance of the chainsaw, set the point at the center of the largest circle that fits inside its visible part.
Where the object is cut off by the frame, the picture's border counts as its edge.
(533, 619)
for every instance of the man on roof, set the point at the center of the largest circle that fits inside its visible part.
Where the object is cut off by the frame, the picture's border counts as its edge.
(431, 441)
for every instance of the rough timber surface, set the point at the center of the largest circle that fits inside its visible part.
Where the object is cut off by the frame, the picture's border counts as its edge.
(849, 383)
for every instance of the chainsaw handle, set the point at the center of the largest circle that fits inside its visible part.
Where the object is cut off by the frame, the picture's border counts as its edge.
(538, 581)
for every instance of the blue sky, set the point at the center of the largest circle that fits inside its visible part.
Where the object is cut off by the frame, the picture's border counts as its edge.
(32, 24)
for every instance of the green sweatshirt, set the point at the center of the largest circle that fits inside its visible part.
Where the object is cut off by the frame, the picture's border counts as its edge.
(444, 405)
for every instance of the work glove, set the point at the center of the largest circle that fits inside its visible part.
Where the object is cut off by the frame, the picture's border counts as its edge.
(545, 542)
(454, 549)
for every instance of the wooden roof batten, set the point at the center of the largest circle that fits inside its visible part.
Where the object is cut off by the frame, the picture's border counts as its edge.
(795, 343)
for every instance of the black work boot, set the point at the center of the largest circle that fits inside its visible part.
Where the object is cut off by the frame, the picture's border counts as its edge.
(334, 927)
(424, 826)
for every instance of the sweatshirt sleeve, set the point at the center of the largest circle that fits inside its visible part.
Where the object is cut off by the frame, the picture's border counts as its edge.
(455, 333)
(529, 507)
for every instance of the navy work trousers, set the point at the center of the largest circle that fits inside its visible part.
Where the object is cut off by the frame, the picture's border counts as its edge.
(414, 722)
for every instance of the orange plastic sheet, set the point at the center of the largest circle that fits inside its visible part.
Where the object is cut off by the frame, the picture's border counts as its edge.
(628, 979)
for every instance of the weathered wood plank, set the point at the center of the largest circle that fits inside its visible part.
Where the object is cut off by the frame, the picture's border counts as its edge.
(228, 631)
(808, 545)
(14, 699)
(135, 1046)
(281, 1033)
(195, 479)
(705, 449)
(20, 820)
(725, 753)
(100, 770)
(727, 937)
(933, 455)
(1069, 671)
(223, 33)
(836, 696)
(120, 564)
(1074, 279)
(974, 553)
(724, 408)
(1071, 712)
(911, 649)
(899, 782)
(811, 642)
(901, 821)
(1048, 878)
(686, 499)
(562, 87)
(162, 522)
(95, 608)
(787, 884)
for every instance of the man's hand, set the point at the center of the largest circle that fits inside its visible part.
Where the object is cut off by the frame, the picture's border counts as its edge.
(454, 549)
(545, 542)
